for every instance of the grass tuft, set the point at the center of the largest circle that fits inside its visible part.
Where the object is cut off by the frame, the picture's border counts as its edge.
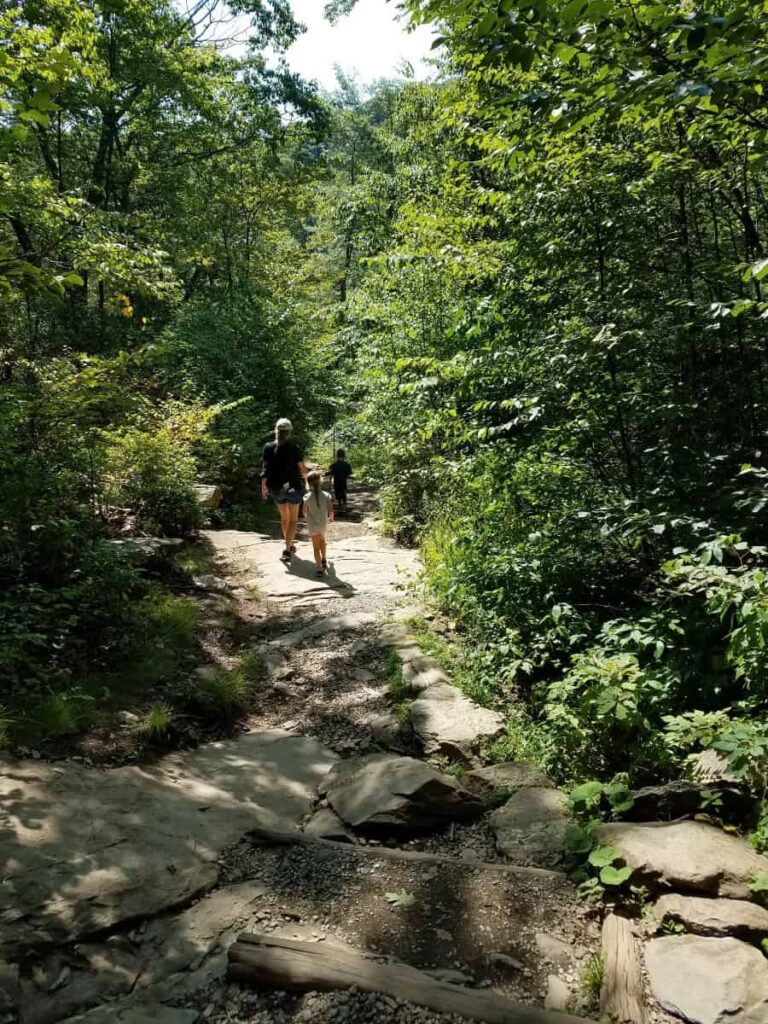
(156, 722)
(592, 978)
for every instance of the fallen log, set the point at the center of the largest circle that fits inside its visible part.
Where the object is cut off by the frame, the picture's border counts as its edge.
(269, 961)
(275, 838)
(621, 994)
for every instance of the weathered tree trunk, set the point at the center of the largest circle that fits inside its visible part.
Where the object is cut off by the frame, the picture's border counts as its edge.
(621, 996)
(266, 960)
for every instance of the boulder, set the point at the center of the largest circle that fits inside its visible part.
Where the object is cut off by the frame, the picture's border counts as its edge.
(209, 495)
(682, 798)
(387, 791)
(445, 721)
(709, 981)
(737, 918)
(325, 824)
(530, 827)
(511, 775)
(687, 855)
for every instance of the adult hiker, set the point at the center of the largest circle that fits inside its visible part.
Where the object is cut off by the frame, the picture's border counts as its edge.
(282, 478)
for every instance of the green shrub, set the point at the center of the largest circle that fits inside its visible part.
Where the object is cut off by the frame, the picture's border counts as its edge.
(151, 467)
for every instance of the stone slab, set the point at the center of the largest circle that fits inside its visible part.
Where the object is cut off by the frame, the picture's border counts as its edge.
(687, 855)
(738, 918)
(169, 948)
(83, 849)
(707, 980)
(445, 721)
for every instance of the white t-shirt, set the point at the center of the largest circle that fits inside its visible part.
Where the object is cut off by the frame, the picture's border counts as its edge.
(317, 510)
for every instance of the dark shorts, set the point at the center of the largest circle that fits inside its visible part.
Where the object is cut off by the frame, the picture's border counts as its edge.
(340, 490)
(292, 497)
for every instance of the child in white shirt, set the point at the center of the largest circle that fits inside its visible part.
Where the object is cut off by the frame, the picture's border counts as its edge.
(319, 505)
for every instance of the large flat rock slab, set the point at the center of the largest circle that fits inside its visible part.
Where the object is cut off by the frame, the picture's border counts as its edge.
(387, 791)
(709, 981)
(687, 855)
(172, 954)
(446, 721)
(736, 918)
(83, 849)
(367, 564)
(530, 827)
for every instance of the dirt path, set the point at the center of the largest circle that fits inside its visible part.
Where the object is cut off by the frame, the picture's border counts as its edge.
(128, 885)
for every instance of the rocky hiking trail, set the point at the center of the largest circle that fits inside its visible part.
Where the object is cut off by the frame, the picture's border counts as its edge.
(324, 866)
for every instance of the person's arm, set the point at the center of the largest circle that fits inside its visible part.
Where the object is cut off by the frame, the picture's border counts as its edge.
(329, 501)
(264, 489)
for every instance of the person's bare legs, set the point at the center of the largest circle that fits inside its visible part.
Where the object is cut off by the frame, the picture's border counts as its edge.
(323, 550)
(292, 524)
(285, 517)
(317, 542)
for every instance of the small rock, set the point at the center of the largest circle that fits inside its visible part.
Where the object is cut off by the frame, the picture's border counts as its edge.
(558, 994)
(212, 584)
(363, 675)
(285, 690)
(326, 825)
(553, 949)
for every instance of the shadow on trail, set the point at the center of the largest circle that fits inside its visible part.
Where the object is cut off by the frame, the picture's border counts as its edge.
(308, 570)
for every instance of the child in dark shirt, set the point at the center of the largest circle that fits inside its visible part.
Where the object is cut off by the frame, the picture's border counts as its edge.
(340, 472)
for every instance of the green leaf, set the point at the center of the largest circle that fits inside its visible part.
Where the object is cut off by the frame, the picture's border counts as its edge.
(588, 793)
(757, 271)
(400, 899)
(601, 856)
(615, 876)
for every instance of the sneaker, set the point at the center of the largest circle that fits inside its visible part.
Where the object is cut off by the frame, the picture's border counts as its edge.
(293, 549)
(286, 556)
(325, 564)
(320, 573)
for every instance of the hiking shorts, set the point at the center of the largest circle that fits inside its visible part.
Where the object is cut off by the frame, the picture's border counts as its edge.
(293, 496)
